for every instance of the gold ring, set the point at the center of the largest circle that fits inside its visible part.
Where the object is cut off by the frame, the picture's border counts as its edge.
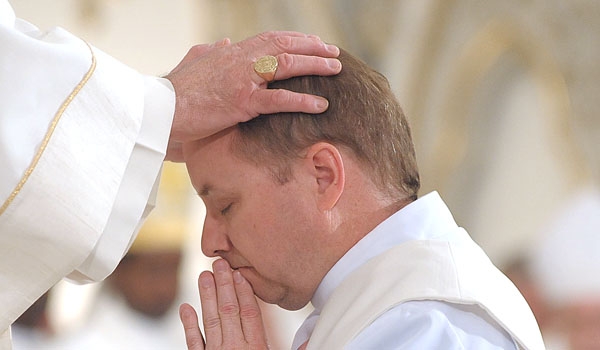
(266, 67)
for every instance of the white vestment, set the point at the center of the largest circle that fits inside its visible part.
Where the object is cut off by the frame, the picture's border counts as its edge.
(82, 140)
(418, 281)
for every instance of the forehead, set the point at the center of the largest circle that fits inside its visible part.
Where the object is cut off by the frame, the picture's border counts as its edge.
(212, 165)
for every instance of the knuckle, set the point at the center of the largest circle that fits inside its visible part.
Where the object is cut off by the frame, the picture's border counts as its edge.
(279, 96)
(229, 310)
(266, 34)
(250, 313)
(212, 322)
(283, 42)
(195, 342)
(285, 61)
(196, 49)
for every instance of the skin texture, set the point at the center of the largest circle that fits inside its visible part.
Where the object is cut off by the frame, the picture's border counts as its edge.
(280, 238)
(232, 319)
(275, 253)
(288, 194)
(216, 86)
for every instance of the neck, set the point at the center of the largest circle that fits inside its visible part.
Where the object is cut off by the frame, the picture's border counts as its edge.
(358, 219)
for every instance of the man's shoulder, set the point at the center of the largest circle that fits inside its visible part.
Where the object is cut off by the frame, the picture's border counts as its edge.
(431, 324)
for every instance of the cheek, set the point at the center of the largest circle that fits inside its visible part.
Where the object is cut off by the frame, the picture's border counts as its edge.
(273, 226)
(263, 237)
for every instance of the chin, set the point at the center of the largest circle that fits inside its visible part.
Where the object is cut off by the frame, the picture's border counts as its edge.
(275, 294)
(292, 306)
(281, 300)
(290, 303)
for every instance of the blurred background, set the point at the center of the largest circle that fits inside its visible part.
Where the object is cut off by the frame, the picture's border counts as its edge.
(503, 98)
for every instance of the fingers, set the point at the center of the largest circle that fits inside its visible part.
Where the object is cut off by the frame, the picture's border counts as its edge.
(210, 309)
(298, 65)
(267, 101)
(275, 33)
(189, 319)
(216, 86)
(228, 306)
(251, 318)
(297, 54)
(290, 42)
(230, 312)
(312, 46)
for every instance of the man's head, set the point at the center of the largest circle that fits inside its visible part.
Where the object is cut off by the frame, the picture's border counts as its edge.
(288, 194)
(363, 116)
(148, 281)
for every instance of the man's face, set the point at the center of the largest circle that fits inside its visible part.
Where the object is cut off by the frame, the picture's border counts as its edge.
(267, 230)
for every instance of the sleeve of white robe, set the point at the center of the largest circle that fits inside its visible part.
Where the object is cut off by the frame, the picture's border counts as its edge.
(82, 140)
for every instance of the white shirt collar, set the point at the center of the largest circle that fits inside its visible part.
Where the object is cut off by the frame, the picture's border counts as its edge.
(426, 218)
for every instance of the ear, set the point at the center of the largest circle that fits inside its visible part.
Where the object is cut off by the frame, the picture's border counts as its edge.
(327, 168)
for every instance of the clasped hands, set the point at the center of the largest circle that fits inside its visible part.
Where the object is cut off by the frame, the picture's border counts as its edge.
(230, 312)
(216, 86)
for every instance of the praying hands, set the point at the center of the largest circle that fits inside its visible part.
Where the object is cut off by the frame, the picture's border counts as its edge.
(230, 312)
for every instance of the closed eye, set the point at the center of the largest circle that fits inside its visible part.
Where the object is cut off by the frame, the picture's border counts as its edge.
(225, 210)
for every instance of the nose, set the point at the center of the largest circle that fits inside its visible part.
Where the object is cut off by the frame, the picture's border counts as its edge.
(214, 237)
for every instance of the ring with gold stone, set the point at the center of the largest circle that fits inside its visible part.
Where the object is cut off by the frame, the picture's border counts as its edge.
(266, 67)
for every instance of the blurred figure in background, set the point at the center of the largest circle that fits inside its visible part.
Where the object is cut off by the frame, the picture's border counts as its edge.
(561, 280)
(518, 271)
(136, 306)
(32, 330)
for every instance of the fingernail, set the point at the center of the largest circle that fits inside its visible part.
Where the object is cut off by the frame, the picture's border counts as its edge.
(237, 277)
(184, 312)
(322, 103)
(205, 281)
(334, 63)
(333, 48)
(221, 266)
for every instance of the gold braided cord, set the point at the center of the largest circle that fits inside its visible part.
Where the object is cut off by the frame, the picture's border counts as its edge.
(50, 131)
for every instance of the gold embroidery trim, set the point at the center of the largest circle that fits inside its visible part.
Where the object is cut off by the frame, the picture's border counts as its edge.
(50, 131)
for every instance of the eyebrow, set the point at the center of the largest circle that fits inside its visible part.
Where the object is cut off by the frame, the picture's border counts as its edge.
(205, 191)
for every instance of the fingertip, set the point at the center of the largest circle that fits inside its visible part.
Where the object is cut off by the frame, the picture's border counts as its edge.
(237, 277)
(182, 312)
(335, 64)
(321, 104)
(183, 308)
(187, 314)
(221, 265)
(205, 280)
(333, 49)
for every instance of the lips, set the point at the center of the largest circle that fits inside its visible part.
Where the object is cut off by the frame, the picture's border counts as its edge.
(236, 265)
(240, 267)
